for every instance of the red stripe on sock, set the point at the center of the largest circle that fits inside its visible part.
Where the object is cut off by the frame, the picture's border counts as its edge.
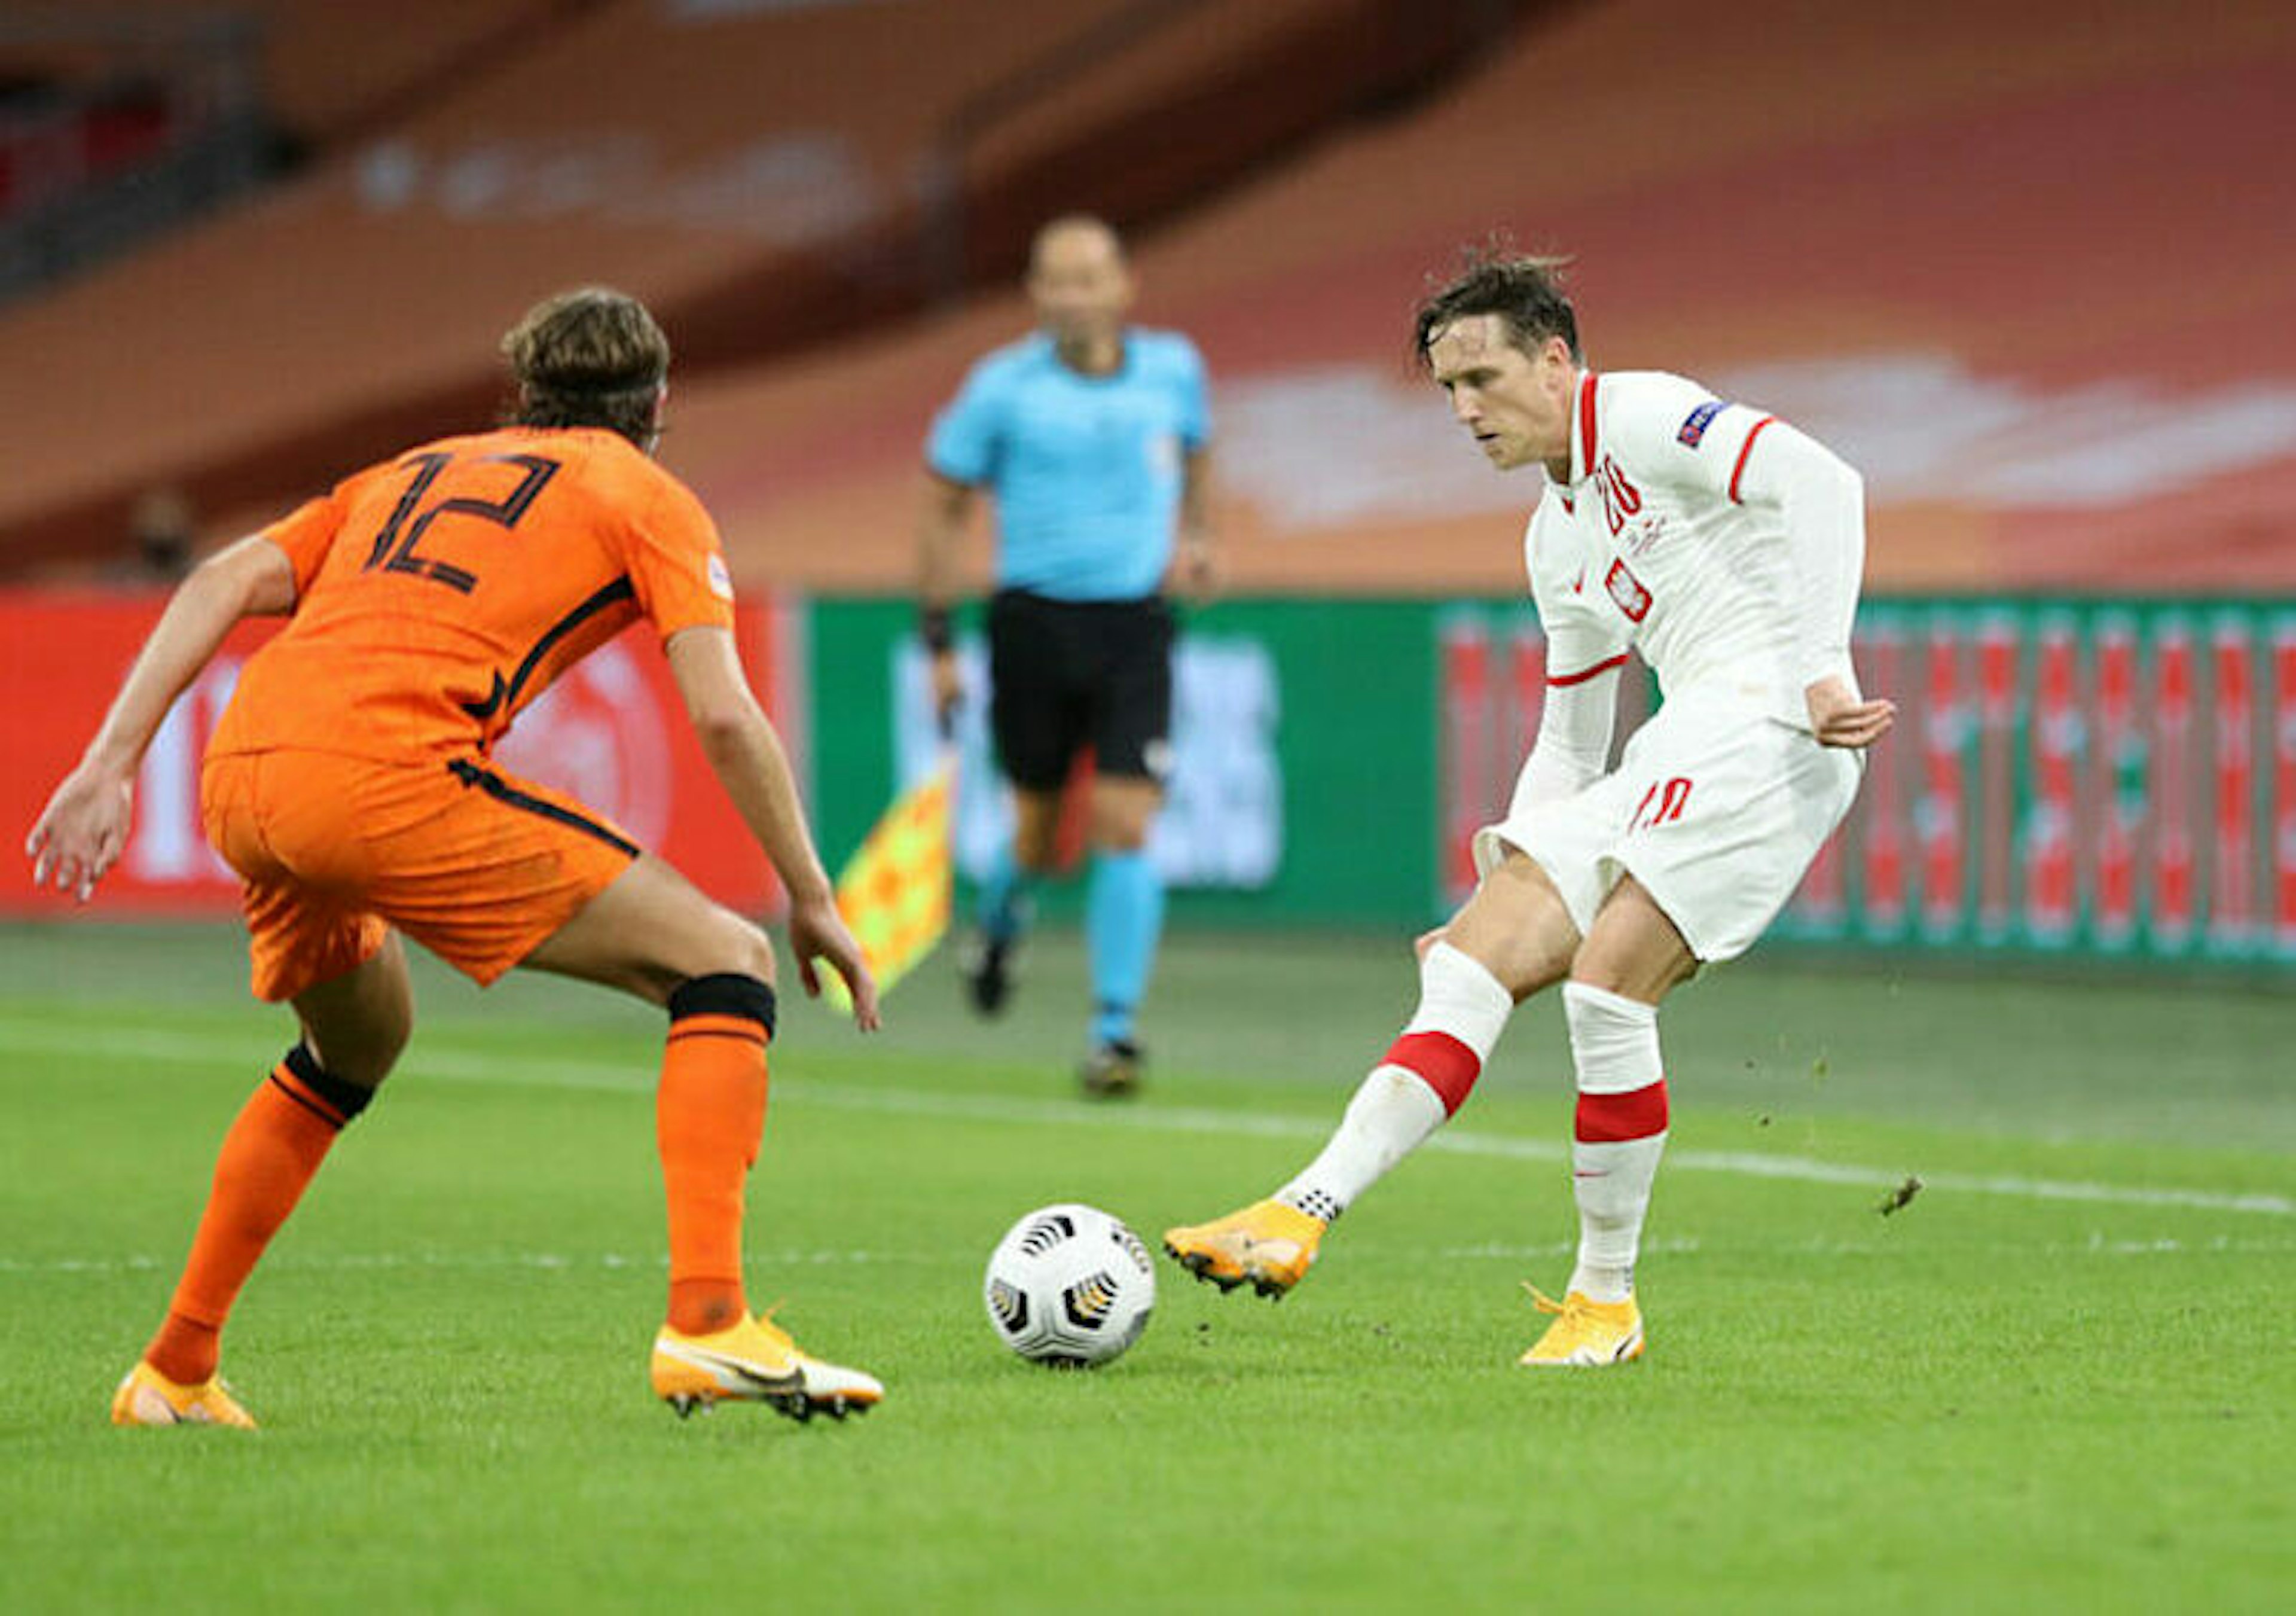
(1636, 1114)
(1441, 1062)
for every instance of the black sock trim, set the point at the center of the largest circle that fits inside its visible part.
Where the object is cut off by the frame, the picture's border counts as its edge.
(678, 1035)
(305, 1101)
(348, 1098)
(724, 993)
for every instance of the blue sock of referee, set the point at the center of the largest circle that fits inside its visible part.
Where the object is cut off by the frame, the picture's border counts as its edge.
(1123, 912)
(1005, 897)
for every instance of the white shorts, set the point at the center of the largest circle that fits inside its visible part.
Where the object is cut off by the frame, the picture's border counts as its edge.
(1717, 814)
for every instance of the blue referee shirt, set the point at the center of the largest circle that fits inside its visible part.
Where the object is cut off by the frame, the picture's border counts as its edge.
(1086, 470)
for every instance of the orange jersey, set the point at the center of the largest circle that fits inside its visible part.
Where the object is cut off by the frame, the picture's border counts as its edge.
(440, 592)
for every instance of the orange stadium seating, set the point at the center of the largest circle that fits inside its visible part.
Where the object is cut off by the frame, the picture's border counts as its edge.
(2033, 266)
(753, 169)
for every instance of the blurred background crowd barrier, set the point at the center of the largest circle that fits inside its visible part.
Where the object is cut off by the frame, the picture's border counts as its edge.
(612, 731)
(2031, 268)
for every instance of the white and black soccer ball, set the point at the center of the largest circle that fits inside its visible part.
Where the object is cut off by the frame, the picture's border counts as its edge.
(1071, 1287)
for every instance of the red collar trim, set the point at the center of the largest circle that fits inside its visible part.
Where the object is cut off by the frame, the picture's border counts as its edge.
(1589, 443)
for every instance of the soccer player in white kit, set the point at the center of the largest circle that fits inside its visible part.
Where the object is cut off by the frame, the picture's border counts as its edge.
(1726, 549)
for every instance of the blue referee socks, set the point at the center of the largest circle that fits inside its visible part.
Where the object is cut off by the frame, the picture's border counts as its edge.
(1004, 903)
(1124, 912)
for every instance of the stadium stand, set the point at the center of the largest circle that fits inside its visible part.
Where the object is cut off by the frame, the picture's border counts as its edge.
(2030, 266)
(769, 176)
(330, 73)
(326, 69)
(115, 127)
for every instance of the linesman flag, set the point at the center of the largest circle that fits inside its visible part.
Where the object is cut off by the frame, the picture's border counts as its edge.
(894, 891)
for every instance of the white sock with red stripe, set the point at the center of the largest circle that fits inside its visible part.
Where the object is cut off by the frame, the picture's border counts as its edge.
(1621, 1133)
(1425, 1077)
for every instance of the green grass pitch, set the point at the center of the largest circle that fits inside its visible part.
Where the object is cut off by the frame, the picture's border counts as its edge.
(2064, 1377)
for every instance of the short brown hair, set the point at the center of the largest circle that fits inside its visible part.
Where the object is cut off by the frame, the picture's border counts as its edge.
(1525, 292)
(593, 357)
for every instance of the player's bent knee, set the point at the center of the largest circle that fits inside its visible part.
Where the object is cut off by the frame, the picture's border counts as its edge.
(379, 1062)
(749, 952)
(344, 1093)
(1120, 836)
(362, 1055)
(1641, 963)
(1124, 813)
(723, 945)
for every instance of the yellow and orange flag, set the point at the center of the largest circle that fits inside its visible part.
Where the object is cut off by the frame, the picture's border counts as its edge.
(894, 891)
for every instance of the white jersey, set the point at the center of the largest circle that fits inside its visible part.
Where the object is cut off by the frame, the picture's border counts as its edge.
(1717, 541)
(1726, 547)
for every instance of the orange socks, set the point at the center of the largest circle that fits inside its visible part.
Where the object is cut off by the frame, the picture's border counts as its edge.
(709, 1114)
(277, 1142)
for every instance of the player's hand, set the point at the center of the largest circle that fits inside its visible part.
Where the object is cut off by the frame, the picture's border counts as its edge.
(79, 834)
(817, 932)
(1426, 940)
(1838, 718)
(948, 690)
(1195, 575)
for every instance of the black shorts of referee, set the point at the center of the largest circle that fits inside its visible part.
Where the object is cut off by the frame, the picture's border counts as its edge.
(1066, 674)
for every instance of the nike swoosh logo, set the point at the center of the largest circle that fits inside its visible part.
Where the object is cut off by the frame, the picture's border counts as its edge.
(701, 1357)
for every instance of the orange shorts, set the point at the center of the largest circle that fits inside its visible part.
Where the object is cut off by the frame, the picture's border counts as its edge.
(477, 866)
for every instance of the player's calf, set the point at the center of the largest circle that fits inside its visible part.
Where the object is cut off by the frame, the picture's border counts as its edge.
(1425, 1077)
(1618, 1133)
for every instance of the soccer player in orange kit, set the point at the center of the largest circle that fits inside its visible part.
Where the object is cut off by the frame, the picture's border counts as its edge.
(432, 597)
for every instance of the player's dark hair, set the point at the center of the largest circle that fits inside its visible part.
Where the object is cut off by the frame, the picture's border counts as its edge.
(589, 358)
(1525, 292)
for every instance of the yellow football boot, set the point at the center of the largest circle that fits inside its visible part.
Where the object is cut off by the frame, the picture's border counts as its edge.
(1585, 1335)
(148, 1397)
(1269, 1244)
(756, 1361)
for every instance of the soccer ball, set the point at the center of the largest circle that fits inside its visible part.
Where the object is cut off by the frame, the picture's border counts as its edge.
(1070, 1286)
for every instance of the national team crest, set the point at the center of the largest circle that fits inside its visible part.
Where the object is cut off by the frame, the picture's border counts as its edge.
(1627, 591)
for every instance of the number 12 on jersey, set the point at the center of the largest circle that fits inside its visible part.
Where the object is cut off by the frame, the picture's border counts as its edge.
(395, 548)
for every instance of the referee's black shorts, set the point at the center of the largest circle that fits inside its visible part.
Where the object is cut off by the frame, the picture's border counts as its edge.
(1065, 675)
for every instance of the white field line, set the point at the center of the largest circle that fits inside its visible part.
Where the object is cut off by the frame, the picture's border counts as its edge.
(546, 1261)
(508, 1068)
(2096, 1245)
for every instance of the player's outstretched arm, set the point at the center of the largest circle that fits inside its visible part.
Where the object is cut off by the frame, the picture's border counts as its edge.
(80, 833)
(940, 528)
(746, 757)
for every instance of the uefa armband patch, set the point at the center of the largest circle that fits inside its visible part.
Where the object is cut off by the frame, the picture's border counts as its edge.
(721, 582)
(1700, 418)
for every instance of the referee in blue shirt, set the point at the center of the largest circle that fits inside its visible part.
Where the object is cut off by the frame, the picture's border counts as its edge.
(1092, 435)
